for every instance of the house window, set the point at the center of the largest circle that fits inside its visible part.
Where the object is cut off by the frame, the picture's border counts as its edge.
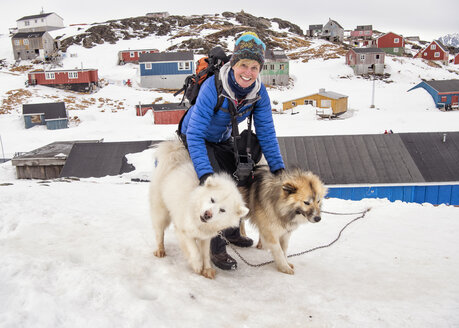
(437, 54)
(443, 99)
(26, 23)
(25, 42)
(265, 67)
(282, 67)
(147, 65)
(362, 57)
(17, 42)
(271, 67)
(396, 40)
(293, 103)
(433, 47)
(308, 102)
(73, 75)
(396, 50)
(132, 54)
(183, 66)
(50, 76)
(425, 53)
(42, 20)
(377, 56)
(36, 21)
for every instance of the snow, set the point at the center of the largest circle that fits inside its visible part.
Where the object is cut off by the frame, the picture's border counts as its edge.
(80, 253)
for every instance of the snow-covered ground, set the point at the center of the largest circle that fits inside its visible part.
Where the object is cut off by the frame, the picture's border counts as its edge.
(80, 253)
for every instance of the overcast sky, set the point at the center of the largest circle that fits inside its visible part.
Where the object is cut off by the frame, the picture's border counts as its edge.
(425, 18)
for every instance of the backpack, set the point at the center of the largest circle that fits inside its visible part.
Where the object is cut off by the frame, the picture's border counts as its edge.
(205, 68)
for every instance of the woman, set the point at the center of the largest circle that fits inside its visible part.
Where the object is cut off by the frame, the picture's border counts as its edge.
(207, 133)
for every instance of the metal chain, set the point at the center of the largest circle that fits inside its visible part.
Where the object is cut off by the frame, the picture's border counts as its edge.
(362, 215)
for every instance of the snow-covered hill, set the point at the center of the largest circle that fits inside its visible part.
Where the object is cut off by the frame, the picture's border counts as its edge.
(450, 40)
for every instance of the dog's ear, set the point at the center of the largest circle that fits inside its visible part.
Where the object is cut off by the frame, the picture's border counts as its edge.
(242, 211)
(289, 188)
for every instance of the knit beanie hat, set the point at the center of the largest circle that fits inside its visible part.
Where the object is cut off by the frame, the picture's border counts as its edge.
(248, 46)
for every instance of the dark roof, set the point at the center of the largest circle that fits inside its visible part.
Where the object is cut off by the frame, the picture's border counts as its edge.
(364, 27)
(275, 55)
(28, 35)
(34, 16)
(441, 45)
(444, 85)
(166, 56)
(376, 159)
(336, 23)
(366, 50)
(101, 159)
(51, 110)
(316, 27)
(172, 106)
(52, 153)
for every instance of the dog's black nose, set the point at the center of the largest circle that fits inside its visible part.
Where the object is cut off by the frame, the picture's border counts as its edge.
(317, 218)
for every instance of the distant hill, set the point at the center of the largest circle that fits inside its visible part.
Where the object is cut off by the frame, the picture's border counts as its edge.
(450, 40)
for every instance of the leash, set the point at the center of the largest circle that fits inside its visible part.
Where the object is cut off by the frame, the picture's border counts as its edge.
(361, 216)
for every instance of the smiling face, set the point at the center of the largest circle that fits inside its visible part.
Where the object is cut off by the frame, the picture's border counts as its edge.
(246, 72)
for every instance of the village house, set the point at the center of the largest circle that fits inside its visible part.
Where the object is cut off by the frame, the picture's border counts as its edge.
(314, 30)
(31, 45)
(53, 115)
(323, 99)
(362, 35)
(390, 43)
(165, 70)
(445, 93)
(162, 14)
(366, 60)
(40, 22)
(332, 31)
(83, 80)
(434, 51)
(276, 68)
(132, 56)
(456, 59)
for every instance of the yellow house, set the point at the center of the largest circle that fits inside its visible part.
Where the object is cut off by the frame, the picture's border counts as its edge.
(322, 99)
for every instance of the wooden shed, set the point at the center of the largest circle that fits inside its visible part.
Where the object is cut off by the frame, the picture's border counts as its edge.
(168, 113)
(366, 60)
(132, 56)
(31, 45)
(53, 115)
(323, 99)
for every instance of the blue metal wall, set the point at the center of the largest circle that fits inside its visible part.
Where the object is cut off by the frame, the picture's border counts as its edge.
(57, 124)
(434, 194)
(170, 68)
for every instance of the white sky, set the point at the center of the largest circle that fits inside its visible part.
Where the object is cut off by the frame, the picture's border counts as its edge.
(425, 18)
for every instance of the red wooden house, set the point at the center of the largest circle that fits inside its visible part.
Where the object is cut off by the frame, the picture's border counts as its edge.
(163, 113)
(390, 43)
(434, 51)
(132, 56)
(456, 59)
(83, 80)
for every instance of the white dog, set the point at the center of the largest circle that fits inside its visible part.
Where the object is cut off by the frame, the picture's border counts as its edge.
(198, 212)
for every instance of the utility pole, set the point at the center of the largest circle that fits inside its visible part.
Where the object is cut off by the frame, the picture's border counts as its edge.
(373, 93)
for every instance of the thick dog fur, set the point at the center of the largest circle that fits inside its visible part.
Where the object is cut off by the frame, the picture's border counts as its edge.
(279, 204)
(197, 212)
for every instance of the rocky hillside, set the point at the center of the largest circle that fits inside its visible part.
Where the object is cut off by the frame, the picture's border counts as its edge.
(200, 33)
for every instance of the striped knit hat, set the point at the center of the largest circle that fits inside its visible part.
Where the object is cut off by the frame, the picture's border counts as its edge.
(249, 46)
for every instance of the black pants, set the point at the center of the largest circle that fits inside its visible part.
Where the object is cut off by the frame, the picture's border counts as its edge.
(222, 159)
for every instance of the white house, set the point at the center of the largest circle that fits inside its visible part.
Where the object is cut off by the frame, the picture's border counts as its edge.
(40, 22)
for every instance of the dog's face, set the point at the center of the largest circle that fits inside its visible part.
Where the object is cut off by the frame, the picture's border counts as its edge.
(220, 202)
(303, 193)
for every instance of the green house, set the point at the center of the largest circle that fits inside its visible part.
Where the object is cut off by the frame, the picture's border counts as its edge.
(276, 68)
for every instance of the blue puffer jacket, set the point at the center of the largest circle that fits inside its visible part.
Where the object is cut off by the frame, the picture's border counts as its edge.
(201, 123)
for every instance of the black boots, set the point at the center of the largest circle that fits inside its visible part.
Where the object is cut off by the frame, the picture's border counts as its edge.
(219, 256)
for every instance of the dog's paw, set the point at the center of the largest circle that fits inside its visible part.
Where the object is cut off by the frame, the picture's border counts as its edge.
(160, 252)
(287, 270)
(291, 265)
(259, 244)
(209, 273)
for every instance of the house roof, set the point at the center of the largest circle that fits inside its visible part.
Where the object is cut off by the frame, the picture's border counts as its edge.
(324, 93)
(34, 16)
(51, 110)
(271, 54)
(316, 27)
(375, 159)
(441, 85)
(99, 159)
(366, 50)
(171, 106)
(383, 35)
(28, 35)
(166, 56)
(335, 22)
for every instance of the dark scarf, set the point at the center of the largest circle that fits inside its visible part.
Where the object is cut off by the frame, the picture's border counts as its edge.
(239, 91)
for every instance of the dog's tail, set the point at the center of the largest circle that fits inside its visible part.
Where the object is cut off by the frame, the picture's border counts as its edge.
(168, 155)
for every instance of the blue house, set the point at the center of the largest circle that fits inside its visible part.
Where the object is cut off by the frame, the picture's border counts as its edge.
(53, 115)
(411, 167)
(445, 93)
(165, 70)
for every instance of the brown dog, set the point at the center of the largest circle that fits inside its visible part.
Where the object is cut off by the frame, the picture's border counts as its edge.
(279, 204)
